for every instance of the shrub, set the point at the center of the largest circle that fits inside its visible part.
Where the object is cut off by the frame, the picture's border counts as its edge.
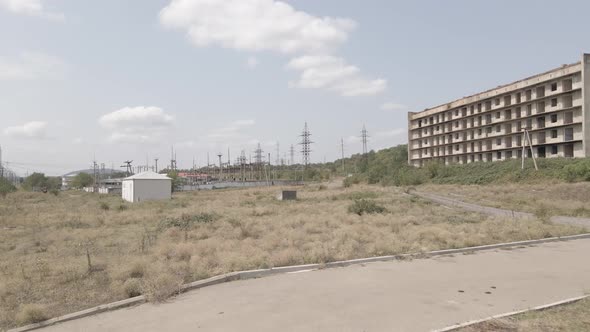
(132, 287)
(104, 206)
(31, 313)
(349, 181)
(161, 286)
(365, 206)
(6, 187)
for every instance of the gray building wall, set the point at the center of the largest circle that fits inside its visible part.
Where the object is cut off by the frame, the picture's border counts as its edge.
(586, 101)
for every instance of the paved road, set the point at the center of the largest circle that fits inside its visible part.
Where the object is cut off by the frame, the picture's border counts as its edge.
(498, 212)
(418, 295)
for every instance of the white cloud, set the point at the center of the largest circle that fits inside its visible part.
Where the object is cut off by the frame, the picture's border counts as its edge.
(334, 74)
(31, 8)
(269, 25)
(30, 66)
(255, 25)
(139, 124)
(252, 62)
(30, 130)
(393, 107)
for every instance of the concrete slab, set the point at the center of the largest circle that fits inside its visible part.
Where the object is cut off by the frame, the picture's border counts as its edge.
(417, 295)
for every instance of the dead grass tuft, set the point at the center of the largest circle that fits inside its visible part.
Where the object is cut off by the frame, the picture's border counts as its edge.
(46, 240)
(31, 313)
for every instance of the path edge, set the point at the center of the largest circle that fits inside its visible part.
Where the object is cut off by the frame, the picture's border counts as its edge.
(251, 274)
(512, 313)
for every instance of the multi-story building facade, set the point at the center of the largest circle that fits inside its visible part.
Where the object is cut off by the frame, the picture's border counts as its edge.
(552, 108)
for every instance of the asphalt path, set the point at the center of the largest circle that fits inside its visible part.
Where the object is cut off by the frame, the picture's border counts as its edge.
(415, 295)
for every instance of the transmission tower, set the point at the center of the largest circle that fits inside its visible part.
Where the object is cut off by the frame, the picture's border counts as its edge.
(220, 165)
(292, 153)
(364, 137)
(258, 155)
(278, 160)
(127, 166)
(305, 145)
(172, 160)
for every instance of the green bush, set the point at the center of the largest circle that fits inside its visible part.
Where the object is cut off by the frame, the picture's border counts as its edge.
(6, 187)
(104, 206)
(365, 206)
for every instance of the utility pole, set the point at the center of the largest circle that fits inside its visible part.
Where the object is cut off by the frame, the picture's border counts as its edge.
(220, 166)
(156, 162)
(95, 172)
(342, 149)
(1, 166)
(305, 145)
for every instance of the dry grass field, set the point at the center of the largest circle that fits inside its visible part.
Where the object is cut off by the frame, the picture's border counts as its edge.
(556, 199)
(569, 318)
(60, 254)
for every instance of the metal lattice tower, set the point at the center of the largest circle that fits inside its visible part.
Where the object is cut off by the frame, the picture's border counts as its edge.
(258, 155)
(292, 155)
(278, 159)
(364, 138)
(305, 145)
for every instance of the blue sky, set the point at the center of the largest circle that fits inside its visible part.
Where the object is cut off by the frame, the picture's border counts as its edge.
(123, 80)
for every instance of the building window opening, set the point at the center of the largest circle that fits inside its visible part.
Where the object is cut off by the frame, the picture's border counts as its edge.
(554, 102)
(553, 118)
(566, 85)
(554, 86)
(554, 149)
(554, 133)
(568, 101)
(568, 117)
(569, 134)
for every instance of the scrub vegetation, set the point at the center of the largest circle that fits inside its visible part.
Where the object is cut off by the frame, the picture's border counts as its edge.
(60, 254)
(567, 318)
(557, 199)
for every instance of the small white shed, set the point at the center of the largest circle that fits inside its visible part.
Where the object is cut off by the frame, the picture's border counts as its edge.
(147, 186)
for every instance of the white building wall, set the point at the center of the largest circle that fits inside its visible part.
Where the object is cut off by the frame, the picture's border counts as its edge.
(139, 190)
(127, 190)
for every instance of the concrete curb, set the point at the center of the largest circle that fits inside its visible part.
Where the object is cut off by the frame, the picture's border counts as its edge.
(508, 314)
(251, 274)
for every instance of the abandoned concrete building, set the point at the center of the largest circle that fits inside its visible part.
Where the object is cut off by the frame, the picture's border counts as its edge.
(552, 108)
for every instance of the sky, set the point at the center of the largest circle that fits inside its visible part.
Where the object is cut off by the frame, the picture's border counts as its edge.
(115, 80)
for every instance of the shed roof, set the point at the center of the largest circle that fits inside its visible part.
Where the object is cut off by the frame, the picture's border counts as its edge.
(148, 176)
